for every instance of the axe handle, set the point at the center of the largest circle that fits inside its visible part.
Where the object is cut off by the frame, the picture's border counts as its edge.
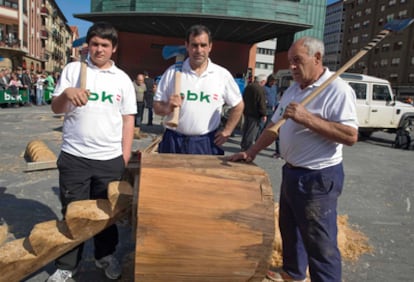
(174, 116)
(275, 128)
(83, 75)
(84, 53)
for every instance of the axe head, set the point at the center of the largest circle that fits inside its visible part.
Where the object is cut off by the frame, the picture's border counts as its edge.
(398, 25)
(170, 51)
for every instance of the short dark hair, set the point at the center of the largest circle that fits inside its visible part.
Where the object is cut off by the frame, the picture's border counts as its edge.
(103, 30)
(196, 30)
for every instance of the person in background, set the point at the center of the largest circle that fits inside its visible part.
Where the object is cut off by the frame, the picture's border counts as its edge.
(140, 89)
(311, 142)
(98, 131)
(56, 77)
(14, 84)
(205, 87)
(149, 96)
(49, 84)
(27, 84)
(39, 89)
(254, 98)
(271, 104)
(4, 82)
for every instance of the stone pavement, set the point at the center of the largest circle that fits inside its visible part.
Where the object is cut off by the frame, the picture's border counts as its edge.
(379, 185)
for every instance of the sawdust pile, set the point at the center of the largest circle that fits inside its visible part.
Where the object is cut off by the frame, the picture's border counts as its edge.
(37, 151)
(3, 233)
(138, 134)
(352, 243)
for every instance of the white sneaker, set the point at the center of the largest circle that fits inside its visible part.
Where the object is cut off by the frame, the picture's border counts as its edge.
(61, 275)
(279, 275)
(111, 266)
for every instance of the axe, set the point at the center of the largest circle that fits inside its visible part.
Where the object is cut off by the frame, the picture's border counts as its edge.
(84, 54)
(179, 53)
(395, 25)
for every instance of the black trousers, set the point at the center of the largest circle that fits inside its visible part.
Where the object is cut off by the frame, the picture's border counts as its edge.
(83, 179)
(251, 128)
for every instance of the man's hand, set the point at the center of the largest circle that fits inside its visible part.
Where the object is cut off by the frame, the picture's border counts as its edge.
(77, 96)
(221, 137)
(241, 156)
(297, 112)
(175, 101)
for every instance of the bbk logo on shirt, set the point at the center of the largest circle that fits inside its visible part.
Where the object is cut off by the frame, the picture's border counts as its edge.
(103, 97)
(192, 96)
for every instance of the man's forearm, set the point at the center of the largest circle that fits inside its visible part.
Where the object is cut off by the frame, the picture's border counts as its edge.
(234, 117)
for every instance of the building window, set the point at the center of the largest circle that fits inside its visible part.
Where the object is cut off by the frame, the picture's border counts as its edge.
(393, 77)
(384, 62)
(412, 61)
(365, 23)
(355, 39)
(385, 47)
(395, 61)
(411, 77)
(402, 14)
(390, 17)
(368, 11)
(364, 37)
(392, 2)
(398, 45)
(265, 51)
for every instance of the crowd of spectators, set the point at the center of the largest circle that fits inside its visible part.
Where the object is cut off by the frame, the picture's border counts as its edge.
(22, 87)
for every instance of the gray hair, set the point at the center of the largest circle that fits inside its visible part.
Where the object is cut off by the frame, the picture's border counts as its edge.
(261, 77)
(314, 45)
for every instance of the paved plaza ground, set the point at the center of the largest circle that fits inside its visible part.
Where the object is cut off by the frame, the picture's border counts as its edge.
(377, 196)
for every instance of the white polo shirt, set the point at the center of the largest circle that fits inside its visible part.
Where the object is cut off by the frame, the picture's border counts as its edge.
(204, 96)
(299, 145)
(94, 131)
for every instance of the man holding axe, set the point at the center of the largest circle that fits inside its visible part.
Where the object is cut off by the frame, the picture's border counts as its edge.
(312, 178)
(192, 97)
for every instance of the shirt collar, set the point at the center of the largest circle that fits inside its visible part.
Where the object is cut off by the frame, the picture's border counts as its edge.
(187, 67)
(111, 69)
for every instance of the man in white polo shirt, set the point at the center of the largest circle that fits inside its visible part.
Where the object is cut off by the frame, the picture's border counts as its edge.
(205, 88)
(97, 138)
(311, 142)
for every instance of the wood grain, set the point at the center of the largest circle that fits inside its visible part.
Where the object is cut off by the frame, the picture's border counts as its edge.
(201, 218)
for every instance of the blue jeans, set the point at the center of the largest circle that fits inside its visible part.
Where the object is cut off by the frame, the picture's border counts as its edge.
(307, 221)
(39, 96)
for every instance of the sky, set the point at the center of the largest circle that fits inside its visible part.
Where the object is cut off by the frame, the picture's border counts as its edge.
(69, 8)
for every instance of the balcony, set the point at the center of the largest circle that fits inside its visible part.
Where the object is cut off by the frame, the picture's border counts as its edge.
(44, 34)
(44, 12)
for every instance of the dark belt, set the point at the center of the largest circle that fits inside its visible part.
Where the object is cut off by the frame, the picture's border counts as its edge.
(291, 166)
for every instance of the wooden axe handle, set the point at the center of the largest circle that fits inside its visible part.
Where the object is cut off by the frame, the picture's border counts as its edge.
(275, 128)
(172, 120)
(84, 54)
(83, 75)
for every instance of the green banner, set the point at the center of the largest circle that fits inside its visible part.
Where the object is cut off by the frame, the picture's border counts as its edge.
(7, 98)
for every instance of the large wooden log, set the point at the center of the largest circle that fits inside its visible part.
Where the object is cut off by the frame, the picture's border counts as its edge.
(49, 240)
(201, 218)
